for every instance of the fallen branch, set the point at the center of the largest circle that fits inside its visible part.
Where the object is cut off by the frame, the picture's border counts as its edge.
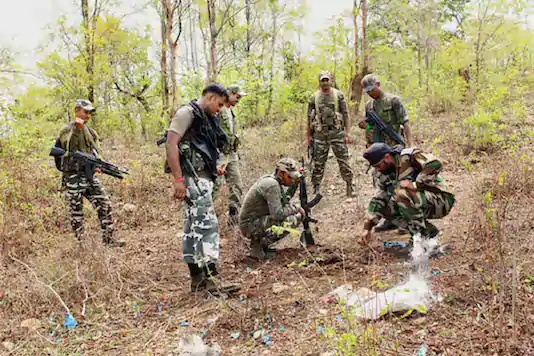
(84, 289)
(41, 282)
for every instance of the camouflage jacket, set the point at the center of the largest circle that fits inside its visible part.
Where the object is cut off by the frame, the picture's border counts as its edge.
(229, 124)
(421, 168)
(392, 112)
(83, 140)
(327, 111)
(267, 197)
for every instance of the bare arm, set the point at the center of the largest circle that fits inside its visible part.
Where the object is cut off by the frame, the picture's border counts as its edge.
(408, 134)
(173, 155)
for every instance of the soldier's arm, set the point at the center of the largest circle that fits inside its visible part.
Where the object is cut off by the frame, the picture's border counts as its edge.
(430, 168)
(343, 108)
(179, 125)
(278, 212)
(402, 116)
(290, 193)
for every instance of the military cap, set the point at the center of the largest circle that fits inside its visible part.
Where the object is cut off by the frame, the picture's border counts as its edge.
(290, 166)
(376, 152)
(368, 82)
(324, 75)
(236, 89)
(84, 104)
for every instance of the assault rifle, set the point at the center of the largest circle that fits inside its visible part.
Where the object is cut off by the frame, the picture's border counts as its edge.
(381, 126)
(306, 238)
(90, 163)
(186, 165)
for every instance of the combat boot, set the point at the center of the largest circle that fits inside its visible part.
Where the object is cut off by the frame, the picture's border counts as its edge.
(215, 285)
(431, 230)
(385, 225)
(198, 279)
(256, 249)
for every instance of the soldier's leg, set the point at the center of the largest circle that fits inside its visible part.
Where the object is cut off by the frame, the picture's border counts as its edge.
(235, 185)
(217, 186)
(261, 236)
(98, 196)
(75, 186)
(320, 156)
(339, 146)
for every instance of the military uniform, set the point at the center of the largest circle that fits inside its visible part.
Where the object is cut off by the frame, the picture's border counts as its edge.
(327, 116)
(432, 200)
(267, 203)
(76, 183)
(230, 158)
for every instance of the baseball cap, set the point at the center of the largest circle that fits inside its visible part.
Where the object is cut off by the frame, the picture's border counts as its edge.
(84, 104)
(290, 166)
(324, 75)
(235, 89)
(368, 82)
(376, 152)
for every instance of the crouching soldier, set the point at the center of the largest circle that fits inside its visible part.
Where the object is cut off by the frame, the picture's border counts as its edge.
(267, 204)
(420, 193)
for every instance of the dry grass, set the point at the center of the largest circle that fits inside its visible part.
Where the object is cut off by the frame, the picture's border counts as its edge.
(487, 281)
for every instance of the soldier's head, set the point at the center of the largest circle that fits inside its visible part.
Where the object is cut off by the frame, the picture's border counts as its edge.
(380, 156)
(371, 85)
(214, 96)
(288, 170)
(83, 109)
(325, 80)
(234, 94)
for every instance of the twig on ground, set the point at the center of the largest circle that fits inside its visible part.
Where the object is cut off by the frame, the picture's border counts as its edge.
(41, 282)
(84, 288)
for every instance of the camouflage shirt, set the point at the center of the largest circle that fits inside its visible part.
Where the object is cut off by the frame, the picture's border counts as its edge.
(73, 139)
(323, 108)
(421, 168)
(267, 198)
(229, 125)
(391, 111)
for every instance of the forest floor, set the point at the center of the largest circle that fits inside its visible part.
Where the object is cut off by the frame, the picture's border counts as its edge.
(136, 301)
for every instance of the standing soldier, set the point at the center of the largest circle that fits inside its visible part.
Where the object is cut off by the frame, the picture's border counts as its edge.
(328, 125)
(229, 158)
(390, 109)
(195, 130)
(267, 204)
(77, 136)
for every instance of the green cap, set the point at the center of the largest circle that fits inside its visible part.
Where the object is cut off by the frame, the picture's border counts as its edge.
(235, 89)
(290, 166)
(368, 82)
(84, 104)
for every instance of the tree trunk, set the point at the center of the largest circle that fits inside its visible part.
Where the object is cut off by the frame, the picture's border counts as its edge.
(212, 67)
(271, 73)
(248, 14)
(164, 74)
(174, 48)
(365, 51)
(89, 49)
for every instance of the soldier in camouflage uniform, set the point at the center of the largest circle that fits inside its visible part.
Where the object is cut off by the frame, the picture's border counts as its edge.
(419, 192)
(77, 136)
(228, 158)
(390, 109)
(195, 129)
(329, 125)
(267, 204)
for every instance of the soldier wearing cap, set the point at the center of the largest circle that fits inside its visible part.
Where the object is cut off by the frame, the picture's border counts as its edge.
(420, 193)
(328, 126)
(390, 109)
(229, 158)
(267, 204)
(77, 136)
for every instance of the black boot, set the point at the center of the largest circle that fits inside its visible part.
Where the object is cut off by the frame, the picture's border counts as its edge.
(385, 225)
(215, 284)
(198, 279)
(431, 231)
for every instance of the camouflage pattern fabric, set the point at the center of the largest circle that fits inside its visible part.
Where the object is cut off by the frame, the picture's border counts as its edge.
(323, 141)
(78, 187)
(392, 112)
(200, 242)
(232, 179)
(267, 204)
(432, 200)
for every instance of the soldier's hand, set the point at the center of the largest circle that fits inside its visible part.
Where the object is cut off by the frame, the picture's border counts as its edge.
(347, 139)
(98, 170)
(365, 238)
(407, 184)
(308, 140)
(179, 190)
(303, 171)
(362, 124)
(79, 123)
(221, 171)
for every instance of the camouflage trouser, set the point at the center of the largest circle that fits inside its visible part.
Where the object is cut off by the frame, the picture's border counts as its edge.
(259, 230)
(322, 142)
(233, 179)
(412, 212)
(78, 187)
(200, 244)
